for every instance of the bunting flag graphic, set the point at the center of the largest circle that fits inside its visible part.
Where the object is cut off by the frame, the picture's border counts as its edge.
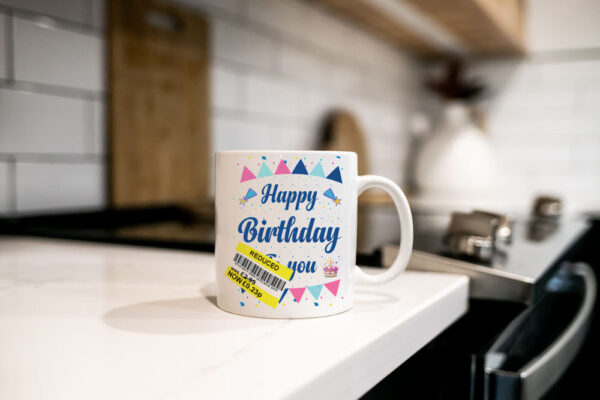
(318, 171)
(247, 175)
(297, 293)
(333, 287)
(300, 169)
(315, 291)
(282, 169)
(264, 171)
(335, 175)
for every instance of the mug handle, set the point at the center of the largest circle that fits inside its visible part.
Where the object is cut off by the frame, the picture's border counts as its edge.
(406, 228)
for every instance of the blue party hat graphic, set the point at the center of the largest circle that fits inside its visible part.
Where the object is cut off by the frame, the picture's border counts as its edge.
(250, 194)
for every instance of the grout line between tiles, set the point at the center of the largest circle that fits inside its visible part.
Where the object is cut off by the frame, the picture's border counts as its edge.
(12, 184)
(53, 90)
(89, 132)
(53, 21)
(10, 47)
(57, 158)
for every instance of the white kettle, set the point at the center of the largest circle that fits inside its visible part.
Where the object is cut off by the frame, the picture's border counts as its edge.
(457, 161)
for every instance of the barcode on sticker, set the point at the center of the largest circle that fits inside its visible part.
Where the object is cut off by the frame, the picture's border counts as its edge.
(258, 272)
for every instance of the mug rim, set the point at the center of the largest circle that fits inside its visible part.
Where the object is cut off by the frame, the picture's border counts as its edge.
(284, 151)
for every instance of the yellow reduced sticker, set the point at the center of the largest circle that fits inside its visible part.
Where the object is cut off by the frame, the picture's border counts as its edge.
(272, 265)
(254, 290)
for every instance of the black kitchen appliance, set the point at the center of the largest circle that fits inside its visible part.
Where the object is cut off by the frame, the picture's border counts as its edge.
(533, 301)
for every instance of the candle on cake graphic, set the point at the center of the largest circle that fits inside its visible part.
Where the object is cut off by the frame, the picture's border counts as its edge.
(330, 270)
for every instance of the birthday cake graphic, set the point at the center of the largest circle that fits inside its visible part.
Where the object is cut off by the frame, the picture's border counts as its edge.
(330, 270)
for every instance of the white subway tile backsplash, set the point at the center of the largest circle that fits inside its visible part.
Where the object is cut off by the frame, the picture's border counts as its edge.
(570, 72)
(5, 188)
(39, 123)
(296, 137)
(49, 186)
(226, 88)
(391, 167)
(236, 43)
(586, 158)
(59, 57)
(271, 95)
(544, 126)
(305, 66)
(316, 101)
(72, 10)
(541, 99)
(3, 47)
(588, 104)
(277, 68)
(98, 121)
(237, 134)
(346, 78)
(325, 31)
(563, 25)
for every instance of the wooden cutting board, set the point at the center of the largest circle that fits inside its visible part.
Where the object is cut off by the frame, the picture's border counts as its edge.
(158, 113)
(342, 132)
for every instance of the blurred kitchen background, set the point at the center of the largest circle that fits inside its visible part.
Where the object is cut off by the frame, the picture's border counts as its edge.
(198, 76)
(111, 112)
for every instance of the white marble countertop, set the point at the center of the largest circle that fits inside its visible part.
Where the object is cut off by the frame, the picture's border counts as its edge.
(94, 321)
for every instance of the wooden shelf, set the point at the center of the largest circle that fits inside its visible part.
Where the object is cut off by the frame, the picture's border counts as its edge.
(479, 27)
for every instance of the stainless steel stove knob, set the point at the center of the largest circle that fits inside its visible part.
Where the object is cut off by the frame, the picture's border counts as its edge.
(547, 207)
(504, 232)
(481, 248)
(471, 235)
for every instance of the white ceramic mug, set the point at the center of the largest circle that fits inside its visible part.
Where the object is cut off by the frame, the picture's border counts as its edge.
(286, 232)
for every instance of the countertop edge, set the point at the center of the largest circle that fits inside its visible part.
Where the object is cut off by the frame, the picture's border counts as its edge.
(374, 361)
